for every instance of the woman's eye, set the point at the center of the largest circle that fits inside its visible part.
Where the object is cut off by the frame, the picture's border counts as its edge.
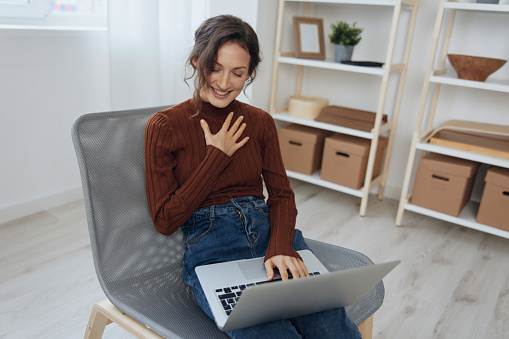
(238, 75)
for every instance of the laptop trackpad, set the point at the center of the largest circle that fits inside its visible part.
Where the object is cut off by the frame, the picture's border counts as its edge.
(253, 269)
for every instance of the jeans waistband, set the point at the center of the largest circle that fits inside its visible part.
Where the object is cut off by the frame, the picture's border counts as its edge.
(236, 203)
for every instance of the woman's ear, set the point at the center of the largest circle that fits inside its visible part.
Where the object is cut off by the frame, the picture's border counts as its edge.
(195, 62)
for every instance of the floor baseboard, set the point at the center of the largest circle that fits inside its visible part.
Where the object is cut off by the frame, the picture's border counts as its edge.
(37, 205)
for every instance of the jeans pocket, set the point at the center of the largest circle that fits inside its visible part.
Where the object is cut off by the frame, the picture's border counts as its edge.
(200, 230)
(263, 209)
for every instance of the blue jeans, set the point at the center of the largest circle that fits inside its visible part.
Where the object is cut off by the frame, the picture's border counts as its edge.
(241, 230)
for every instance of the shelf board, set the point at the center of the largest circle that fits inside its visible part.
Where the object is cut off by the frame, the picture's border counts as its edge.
(489, 84)
(328, 64)
(466, 218)
(478, 7)
(328, 127)
(352, 2)
(424, 146)
(316, 180)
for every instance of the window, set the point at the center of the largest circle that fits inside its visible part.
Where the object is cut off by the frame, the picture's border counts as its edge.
(55, 14)
(82, 7)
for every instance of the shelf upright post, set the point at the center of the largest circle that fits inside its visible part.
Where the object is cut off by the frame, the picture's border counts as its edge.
(380, 110)
(443, 58)
(277, 54)
(424, 97)
(399, 96)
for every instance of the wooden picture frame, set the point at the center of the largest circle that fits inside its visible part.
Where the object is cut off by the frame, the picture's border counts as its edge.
(309, 38)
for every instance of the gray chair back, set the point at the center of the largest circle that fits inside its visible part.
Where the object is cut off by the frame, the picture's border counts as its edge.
(138, 268)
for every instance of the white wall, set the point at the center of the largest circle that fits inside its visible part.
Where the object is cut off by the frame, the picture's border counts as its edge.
(48, 78)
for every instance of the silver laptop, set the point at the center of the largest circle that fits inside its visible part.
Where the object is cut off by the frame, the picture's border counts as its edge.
(240, 296)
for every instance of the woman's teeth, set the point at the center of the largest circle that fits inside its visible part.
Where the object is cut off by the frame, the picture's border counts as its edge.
(220, 92)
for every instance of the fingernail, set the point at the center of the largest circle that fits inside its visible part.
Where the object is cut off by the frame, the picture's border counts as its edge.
(202, 121)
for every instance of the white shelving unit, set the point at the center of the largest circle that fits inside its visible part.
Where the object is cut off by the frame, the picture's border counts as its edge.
(437, 78)
(379, 74)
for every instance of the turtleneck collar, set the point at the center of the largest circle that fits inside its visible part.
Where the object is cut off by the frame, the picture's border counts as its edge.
(211, 111)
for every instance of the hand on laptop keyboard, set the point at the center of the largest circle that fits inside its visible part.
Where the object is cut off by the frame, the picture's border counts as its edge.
(230, 295)
(285, 264)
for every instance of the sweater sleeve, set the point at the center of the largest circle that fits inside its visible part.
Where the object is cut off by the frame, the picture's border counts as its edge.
(170, 205)
(283, 211)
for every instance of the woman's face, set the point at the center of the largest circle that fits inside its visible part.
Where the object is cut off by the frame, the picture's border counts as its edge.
(227, 79)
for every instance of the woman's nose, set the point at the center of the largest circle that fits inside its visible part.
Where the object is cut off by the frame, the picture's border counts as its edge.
(223, 81)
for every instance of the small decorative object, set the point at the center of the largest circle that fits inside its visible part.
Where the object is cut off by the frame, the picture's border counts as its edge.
(309, 40)
(487, 1)
(473, 67)
(345, 37)
(305, 106)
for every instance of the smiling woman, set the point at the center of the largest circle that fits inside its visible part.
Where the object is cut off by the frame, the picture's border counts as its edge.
(206, 160)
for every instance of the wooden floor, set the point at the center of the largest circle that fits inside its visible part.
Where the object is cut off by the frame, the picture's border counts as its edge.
(453, 282)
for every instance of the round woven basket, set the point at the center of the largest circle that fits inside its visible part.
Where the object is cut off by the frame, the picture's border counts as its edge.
(474, 68)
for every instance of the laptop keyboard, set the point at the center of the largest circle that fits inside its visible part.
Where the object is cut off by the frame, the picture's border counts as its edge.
(228, 296)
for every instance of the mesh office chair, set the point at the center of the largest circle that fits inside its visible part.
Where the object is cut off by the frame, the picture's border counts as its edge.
(138, 268)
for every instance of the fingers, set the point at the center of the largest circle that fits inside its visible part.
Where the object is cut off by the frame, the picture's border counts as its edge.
(270, 269)
(285, 264)
(205, 127)
(227, 122)
(238, 130)
(241, 143)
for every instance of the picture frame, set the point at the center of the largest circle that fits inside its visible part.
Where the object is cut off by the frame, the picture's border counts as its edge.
(309, 38)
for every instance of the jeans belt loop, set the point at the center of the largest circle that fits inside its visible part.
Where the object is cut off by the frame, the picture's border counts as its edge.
(212, 213)
(256, 201)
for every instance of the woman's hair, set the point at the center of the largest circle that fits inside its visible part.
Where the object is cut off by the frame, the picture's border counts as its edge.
(211, 35)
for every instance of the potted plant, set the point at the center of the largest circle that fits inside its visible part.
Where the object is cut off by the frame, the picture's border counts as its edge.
(344, 36)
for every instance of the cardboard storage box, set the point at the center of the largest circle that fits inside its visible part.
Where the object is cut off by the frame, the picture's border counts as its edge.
(494, 208)
(443, 183)
(345, 159)
(301, 147)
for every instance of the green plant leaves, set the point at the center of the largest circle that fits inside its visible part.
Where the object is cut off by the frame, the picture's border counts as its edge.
(345, 34)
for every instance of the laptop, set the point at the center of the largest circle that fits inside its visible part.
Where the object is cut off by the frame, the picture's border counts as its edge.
(239, 294)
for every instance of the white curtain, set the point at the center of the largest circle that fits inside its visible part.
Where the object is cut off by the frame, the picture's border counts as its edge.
(149, 41)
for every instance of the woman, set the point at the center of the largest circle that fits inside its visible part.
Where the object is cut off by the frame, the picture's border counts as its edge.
(205, 159)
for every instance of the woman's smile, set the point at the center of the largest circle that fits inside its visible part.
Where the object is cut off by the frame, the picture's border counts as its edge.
(220, 94)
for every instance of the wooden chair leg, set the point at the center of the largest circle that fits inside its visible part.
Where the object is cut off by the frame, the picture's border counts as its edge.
(366, 328)
(104, 313)
(97, 323)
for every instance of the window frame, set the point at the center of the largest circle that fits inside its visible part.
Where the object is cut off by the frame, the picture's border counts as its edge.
(34, 9)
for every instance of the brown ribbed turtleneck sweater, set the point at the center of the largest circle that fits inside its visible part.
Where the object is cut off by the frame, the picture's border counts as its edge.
(184, 174)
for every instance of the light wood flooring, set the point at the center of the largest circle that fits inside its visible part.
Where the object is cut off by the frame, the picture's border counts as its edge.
(453, 282)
